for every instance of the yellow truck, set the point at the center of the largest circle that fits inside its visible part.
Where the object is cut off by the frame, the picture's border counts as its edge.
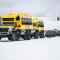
(15, 26)
(38, 28)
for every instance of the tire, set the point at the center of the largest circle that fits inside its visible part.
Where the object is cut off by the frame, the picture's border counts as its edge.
(49, 34)
(9, 37)
(24, 37)
(54, 33)
(14, 36)
(27, 35)
(36, 34)
(41, 34)
(58, 33)
(17, 36)
(0, 38)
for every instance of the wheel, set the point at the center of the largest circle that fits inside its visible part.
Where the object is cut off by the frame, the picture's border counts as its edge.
(0, 38)
(42, 34)
(27, 35)
(9, 37)
(14, 36)
(36, 34)
(24, 37)
(58, 33)
(17, 35)
(49, 34)
(53, 33)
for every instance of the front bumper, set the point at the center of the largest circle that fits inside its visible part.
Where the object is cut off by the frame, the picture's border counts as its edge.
(4, 34)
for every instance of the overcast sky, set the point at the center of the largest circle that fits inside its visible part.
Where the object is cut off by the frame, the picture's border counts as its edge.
(49, 8)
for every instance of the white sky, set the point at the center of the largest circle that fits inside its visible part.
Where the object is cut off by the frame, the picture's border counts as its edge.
(44, 8)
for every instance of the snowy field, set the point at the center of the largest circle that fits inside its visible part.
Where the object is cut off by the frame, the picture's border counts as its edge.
(34, 49)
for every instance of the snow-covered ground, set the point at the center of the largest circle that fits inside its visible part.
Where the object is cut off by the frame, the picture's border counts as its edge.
(34, 49)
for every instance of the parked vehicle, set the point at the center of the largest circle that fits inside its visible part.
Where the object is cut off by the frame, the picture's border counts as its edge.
(15, 26)
(38, 28)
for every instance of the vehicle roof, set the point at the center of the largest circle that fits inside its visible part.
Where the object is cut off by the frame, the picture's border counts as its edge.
(9, 15)
(24, 15)
(36, 20)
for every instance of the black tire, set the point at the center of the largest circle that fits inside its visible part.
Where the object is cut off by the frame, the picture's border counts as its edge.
(36, 34)
(41, 34)
(9, 37)
(53, 33)
(48, 34)
(27, 35)
(58, 33)
(17, 36)
(14, 36)
(24, 37)
(0, 38)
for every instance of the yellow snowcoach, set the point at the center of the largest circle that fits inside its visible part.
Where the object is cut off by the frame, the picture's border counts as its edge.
(25, 25)
(38, 28)
(15, 26)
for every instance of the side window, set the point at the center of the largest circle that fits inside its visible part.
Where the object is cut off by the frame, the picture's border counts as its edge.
(17, 18)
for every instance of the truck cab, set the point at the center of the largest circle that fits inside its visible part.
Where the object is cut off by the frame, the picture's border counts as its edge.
(25, 22)
(38, 28)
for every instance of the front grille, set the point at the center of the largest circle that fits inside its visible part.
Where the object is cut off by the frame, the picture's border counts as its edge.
(3, 29)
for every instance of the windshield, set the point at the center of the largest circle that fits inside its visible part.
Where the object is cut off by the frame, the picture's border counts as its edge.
(8, 19)
(41, 24)
(26, 21)
(35, 24)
